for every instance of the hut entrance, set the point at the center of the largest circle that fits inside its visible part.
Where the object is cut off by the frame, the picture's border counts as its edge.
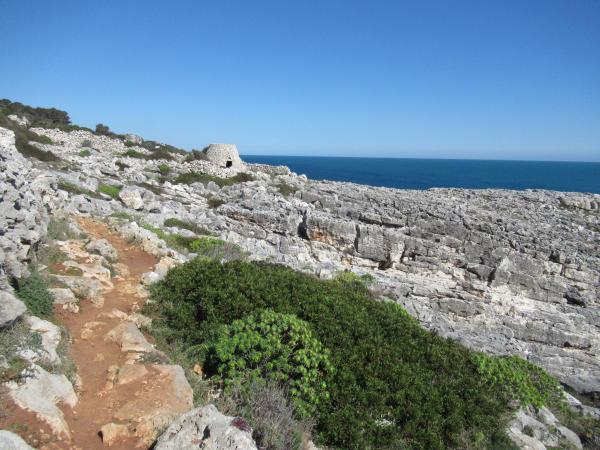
(229, 163)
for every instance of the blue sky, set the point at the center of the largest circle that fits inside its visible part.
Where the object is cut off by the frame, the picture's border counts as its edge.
(501, 79)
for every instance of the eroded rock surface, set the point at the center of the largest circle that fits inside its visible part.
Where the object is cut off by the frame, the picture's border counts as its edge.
(208, 429)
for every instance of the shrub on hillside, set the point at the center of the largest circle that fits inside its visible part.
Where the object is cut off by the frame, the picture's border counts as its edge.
(269, 412)
(164, 169)
(519, 379)
(33, 291)
(216, 249)
(277, 347)
(395, 384)
(110, 190)
(102, 129)
(186, 225)
(195, 177)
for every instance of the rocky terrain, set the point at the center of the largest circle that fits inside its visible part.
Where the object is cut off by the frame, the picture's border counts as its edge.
(501, 271)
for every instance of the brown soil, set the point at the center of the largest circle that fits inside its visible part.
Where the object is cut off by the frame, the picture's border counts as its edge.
(93, 356)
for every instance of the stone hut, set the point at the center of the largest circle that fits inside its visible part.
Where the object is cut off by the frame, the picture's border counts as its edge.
(223, 155)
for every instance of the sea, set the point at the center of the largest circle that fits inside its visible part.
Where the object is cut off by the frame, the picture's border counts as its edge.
(410, 173)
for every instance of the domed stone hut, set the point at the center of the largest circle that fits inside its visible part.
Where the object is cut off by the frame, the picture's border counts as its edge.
(223, 155)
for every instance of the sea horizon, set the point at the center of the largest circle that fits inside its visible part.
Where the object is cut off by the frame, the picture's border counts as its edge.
(426, 173)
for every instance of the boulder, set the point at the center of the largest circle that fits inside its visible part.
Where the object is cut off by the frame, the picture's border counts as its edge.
(208, 429)
(11, 308)
(129, 338)
(50, 334)
(102, 247)
(10, 441)
(131, 197)
(41, 393)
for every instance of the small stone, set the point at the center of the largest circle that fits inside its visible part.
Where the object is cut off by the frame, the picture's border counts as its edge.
(113, 432)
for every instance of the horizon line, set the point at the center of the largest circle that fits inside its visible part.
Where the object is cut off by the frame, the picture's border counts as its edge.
(426, 158)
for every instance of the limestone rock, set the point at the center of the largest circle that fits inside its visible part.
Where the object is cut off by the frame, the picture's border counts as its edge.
(41, 393)
(113, 432)
(11, 308)
(50, 334)
(103, 248)
(155, 407)
(131, 197)
(206, 428)
(129, 338)
(10, 441)
(62, 296)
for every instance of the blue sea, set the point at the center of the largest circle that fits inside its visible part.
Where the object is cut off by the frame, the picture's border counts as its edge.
(460, 173)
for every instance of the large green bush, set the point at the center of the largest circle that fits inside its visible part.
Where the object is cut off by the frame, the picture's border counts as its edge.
(277, 347)
(395, 385)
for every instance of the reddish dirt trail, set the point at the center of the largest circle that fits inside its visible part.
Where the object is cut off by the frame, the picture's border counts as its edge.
(93, 356)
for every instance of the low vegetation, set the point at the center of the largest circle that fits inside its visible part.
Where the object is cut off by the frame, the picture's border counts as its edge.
(33, 291)
(75, 189)
(164, 169)
(85, 153)
(421, 392)
(196, 177)
(12, 340)
(134, 154)
(268, 408)
(187, 225)
(519, 379)
(286, 190)
(110, 190)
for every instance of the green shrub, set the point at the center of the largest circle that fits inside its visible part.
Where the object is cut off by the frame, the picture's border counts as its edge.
(277, 347)
(22, 138)
(102, 129)
(134, 154)
(74, 189)
(33, 291)
(13, 339)
(286, 190)
(43, 139)
(164, 169)
(351, 278)
(110, 190)
(395, 384)
(186, 225)
(519, 380)
(85, 153)
(269, 412)
(214, 202)
(86, 143)
(216, 249)
(159, 153)
(38, 117)
(122, 215)
(195, 177)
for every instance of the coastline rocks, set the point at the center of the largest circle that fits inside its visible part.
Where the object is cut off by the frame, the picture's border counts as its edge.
(206, 428)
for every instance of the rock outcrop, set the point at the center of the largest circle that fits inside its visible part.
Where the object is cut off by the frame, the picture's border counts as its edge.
(208, 429)
(505, 272)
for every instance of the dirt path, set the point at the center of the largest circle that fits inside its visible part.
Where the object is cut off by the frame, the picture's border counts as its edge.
(122, 402)
(93, 355)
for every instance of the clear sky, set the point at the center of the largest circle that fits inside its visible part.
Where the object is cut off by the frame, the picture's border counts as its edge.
(501, 79)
